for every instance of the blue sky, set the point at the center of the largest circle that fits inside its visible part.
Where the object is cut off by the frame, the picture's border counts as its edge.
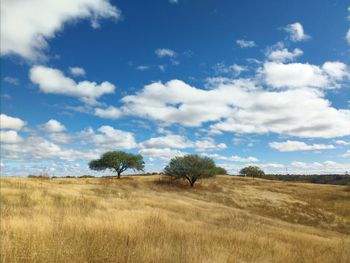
(261, 83)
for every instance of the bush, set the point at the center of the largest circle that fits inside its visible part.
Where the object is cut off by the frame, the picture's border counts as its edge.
(253, 171)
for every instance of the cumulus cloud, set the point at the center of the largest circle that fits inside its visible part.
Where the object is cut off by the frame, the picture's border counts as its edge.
(53, 126)
(342, 142)
(245, 43)
(26, 28)
(168, 141)
(108, 113)
(110, 138)
(336, 70)
(240, 106)
(234, 69)
(164, 154)
(77, 71)
(294, 75)
(292, 146)
(10, 137)
(296, 32)
(8, 122)
(53, 81)
(41, 149)
(234, 158)
(181, 142)
(283, 55)
(165, 52)
(326, 167)
(208, 144)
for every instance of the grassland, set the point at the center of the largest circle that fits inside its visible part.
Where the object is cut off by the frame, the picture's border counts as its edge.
(151, 219)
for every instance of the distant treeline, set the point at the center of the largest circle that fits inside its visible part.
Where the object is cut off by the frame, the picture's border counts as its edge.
(339, 179)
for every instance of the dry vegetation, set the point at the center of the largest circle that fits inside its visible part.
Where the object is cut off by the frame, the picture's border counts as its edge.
(148, 219)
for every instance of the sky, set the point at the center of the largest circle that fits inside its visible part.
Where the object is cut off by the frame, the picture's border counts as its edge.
(263, 83)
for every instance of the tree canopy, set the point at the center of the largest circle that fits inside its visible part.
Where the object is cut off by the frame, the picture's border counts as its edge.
(253, 171)
(118, 161)
(190, 167)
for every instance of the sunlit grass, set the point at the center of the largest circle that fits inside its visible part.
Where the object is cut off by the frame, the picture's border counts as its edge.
(150, 219)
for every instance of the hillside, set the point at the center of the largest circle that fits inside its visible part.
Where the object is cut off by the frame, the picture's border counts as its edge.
(151, 219)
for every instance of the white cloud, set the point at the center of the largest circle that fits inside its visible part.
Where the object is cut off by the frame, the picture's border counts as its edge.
(164, 154)
(283, 55)
(296, 32)
(294, 75)
(10, 137)
(53, 126)
(114, 139)
(142, 67)
(77, 71)
(42, 149)
(168, 141)
(235, 69)
(234, 158)
(245, 43)
(11, 80)
(173, 1)
(326, 167)
(240, 106)
(341, 142)
(27, 25)
(181, 142)
(165, 52)
(53, 81)
(208, 144)
(8, 122)
(108, 113)
(292, 146)
(347, 154)
(336, 70)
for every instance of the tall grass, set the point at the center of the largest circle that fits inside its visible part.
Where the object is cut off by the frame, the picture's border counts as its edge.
(148, 219)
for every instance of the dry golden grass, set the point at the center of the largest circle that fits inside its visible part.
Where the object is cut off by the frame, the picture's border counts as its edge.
(149, 219)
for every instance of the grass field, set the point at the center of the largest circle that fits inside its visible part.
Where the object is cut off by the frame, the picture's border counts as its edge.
(151, 219)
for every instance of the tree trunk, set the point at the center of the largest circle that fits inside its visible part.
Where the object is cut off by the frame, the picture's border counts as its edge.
(191, 183)
(118, 175)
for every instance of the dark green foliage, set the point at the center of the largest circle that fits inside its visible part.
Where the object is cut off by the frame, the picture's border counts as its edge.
(190, 167)
(118, 161)
(340, 179)
(219, 170)
(253, 171)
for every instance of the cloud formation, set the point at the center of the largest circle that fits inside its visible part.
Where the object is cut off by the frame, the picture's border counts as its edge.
(296, 32)
(53, 81)
(26, 28)
(13, 123)
(292, 146)
(241, 106)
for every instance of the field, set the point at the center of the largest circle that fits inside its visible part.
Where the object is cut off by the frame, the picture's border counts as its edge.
(152, 219)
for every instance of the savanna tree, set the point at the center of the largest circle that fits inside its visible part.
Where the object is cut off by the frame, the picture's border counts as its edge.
(253, 171)
(190, 167)
(118, 162)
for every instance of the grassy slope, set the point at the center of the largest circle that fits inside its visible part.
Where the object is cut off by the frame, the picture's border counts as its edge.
(148, 219)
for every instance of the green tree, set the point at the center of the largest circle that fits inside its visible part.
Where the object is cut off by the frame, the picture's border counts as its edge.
(253, 171)
(219, 170)
(118, 161)
(190, 167)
